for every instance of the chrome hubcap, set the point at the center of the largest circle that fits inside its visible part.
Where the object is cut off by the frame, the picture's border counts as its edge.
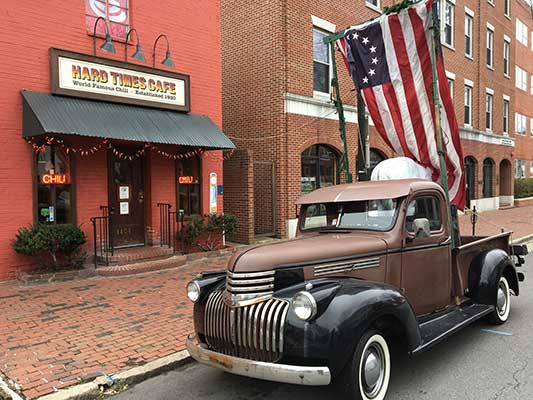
(502, 299)
(373, 370)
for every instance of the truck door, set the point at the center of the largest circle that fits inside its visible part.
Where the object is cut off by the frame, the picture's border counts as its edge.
(426, 261)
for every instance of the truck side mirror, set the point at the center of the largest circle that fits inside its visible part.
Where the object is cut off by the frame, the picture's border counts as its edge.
(422, 228)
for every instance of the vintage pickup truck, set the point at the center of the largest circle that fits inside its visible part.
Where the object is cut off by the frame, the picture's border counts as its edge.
(372, 266)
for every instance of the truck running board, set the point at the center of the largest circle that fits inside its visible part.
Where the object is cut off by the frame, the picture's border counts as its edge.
(438, 329)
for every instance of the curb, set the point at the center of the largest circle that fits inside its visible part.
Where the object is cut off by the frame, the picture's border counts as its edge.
(91, 390)
(524, 240)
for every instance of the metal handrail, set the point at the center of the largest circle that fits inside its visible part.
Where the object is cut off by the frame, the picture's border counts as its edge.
(102, 243)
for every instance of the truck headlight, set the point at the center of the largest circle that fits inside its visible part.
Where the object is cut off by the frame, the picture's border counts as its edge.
(193, 291)
(304, 305)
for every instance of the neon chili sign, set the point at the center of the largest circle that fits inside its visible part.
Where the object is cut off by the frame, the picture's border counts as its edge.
(186, 180)
(52, 179)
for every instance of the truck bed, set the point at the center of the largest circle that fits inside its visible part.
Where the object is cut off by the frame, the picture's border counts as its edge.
(471, 246)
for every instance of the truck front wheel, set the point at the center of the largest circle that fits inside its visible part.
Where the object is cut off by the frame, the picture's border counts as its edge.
(502, 308)
(367, 374)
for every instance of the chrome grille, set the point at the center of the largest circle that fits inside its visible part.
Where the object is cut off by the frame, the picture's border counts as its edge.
(346, 266)
(245, 288)
(254, 332)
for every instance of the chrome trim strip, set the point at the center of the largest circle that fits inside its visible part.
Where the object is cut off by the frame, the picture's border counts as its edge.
(299, 375)
(250, 274)
(262, 288)
(346, 266)
(282, 325)
(233, 282)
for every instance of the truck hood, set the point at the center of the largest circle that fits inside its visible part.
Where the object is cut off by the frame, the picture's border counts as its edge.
(306, 250)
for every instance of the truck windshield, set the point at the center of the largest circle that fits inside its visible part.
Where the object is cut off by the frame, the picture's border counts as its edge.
(373, 215)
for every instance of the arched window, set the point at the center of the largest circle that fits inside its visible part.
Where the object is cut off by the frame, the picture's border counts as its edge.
(470, 178)
(54, 199)
(376, 157)
(319, 168)
(488, 177)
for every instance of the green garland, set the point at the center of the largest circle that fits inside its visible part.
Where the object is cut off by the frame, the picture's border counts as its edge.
(400, 6)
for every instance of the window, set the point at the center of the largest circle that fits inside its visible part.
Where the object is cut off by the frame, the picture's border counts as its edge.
(115, 12)
(424, 207)
(321, 63)
(488, 177)
(449, 10)
(520, 123)
(490, 47)
(188, 173)
(519, 169)
(506, 116)
(531, 169)
(521, 78)
(469, 22)
(319, 168)
(506, 58)
(468, 105)
(531, 84)
(531, 129)
(54, 189)
(370, 215)
(488, 111)
(521, 32)
(373, 4)
(450, 86)
(507, 7)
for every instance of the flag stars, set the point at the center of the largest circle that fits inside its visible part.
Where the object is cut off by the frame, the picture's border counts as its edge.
(372, 72)
(375, 60)
(365, 80)
(355, 35)
(365, 40)
(373, 49)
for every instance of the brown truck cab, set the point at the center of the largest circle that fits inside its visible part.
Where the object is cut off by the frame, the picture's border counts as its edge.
(372, 265)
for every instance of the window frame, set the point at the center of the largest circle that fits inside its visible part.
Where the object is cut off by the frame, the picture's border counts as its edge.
(506, 113)
(521, 81)
(200, 185)
(506, 58)
(451, 4)
(318, 93)
(520, 121)
(490, 48)
(375, 7)
(518, 164)
(438, 201)
(521, 32)
(469, 52)
(35, 187)
(483, 191)
(109, 22)
(316, 159)
(470, 90)
(489, 111)
(507, 8)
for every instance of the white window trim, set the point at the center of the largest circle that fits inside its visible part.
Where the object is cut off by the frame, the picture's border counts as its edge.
(468, 11)
(508, 42)
(323, 24)
(507, 38)
(491, 2)
(505, 97)
(471, 55)
(469, 83)
(450, 75)
(490, 26)
(373, 7)
(443, 24)
(507, 14)
(491, 29)
(489, 129)
(489, 91)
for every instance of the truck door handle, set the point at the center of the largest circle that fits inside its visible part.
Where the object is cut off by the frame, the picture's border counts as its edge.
(445, 241)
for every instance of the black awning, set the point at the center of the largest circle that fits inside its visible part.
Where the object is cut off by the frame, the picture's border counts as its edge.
(44, 113)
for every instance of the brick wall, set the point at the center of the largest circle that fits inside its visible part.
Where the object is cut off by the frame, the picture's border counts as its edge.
(29, 29)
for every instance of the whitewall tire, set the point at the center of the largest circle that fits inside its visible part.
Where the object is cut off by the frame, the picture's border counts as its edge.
(502, 309)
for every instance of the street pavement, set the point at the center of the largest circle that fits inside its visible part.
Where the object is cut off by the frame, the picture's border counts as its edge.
(482, 362)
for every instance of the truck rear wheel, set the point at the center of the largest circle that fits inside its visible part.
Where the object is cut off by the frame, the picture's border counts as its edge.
(502, 309)
(367, 374)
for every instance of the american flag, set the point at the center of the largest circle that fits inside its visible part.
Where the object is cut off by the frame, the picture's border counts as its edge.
(389, 60)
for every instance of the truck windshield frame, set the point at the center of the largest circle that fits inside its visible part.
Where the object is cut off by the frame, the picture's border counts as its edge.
(366, 215)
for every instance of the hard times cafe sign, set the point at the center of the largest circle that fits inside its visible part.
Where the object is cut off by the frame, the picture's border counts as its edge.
(80, 75)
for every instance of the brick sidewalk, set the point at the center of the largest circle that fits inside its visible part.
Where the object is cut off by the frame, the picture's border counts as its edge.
(519, 220)
(61, 334)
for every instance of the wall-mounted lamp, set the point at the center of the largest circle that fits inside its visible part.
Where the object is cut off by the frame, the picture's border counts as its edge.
(108, 44)
(138, 55)
(168, 60)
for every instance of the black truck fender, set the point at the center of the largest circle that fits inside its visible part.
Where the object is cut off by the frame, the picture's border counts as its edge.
(484, 275)
(347, 308)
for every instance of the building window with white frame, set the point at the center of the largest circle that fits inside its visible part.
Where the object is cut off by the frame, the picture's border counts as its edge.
(520, 121)
(490, 48)
(520, 78)
(469, 23)
(531, 129)
(521, 32)
(506, 58)
(468, 105)
(507, 8)
(449, 22)
(531, 169)
(506, 116)
(519, 169)
(321, 63)
(531, 84)
(488, 111)
(374, 4)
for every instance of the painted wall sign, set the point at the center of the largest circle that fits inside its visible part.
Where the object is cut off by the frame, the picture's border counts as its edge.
(81, 75)
(52, 179)
(213, 193)
(186, 180)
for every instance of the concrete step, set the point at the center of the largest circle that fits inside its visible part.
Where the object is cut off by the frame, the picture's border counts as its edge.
(140, 267)
(137, 254)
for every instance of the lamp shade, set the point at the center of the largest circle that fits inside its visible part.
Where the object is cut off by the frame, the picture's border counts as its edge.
(108, 44)
(138, 55)
(168, 60)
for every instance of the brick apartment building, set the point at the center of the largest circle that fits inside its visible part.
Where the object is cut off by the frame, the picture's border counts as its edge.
(277, 109)
(523, 117)
(80, 132)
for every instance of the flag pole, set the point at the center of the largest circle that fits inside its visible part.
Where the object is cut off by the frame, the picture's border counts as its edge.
(436, 101)
(340, 109)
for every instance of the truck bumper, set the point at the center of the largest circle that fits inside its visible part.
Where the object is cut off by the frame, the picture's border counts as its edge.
(298, 375)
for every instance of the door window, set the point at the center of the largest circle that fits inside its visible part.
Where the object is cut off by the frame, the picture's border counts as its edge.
(424, 207)
(189, 185)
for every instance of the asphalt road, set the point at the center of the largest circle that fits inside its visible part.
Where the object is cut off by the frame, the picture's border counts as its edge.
(473, 364)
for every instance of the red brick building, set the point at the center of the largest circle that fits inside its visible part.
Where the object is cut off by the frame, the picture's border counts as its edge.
(103, 132)
(277, 107)
(523, 117)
